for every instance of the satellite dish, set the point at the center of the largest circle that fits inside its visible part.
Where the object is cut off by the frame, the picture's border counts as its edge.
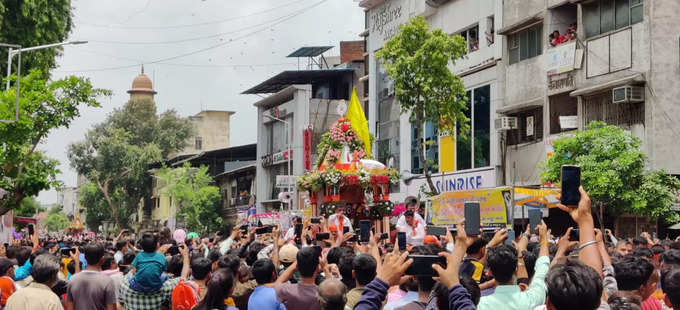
(285, 197)
(390, 161)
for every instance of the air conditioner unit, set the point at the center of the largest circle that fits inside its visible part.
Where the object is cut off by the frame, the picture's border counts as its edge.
(505, 123)
(628, 94)
(436, 3)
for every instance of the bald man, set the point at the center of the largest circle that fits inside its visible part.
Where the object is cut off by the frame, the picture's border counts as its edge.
(332, 295)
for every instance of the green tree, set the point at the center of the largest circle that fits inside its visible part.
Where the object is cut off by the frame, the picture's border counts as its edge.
(31, 23)
(417, 60)
(612, 171)
(96, 207)
(28, 207)
(44, 106)
(56, 220)
(116, 153)
(198, 201)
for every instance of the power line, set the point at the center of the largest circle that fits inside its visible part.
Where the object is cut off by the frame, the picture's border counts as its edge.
(197, 24)
(195, 38)
(216, 65)
(203, 49)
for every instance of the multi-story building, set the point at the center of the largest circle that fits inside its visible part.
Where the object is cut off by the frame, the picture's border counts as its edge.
(211, 131)
(227, 166)
(617, 64)
(302, 105)
(456, 160)
(67, 198)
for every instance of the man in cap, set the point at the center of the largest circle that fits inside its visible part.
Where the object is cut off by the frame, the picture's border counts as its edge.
(287, 256)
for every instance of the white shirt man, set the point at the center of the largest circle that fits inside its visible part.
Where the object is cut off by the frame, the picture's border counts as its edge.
(414, 229)
(337, 218)
(290, 234)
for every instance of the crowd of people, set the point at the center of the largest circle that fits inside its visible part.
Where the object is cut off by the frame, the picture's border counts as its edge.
(556, 38)
(322, 266)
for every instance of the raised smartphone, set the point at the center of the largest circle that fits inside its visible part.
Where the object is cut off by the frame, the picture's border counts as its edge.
(364, 230)
(472, 218)
(571, 181)
(422, 265)
(574, 235)
(511, 237)
(401, 240)
(435, 230)
(535, 218)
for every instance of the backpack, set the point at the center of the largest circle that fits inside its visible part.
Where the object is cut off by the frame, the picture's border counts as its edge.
(185, 295)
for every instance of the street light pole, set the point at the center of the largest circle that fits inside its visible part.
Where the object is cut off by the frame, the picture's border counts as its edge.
(17, 50)
(286, 126)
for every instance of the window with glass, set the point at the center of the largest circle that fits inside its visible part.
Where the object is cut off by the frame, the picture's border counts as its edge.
(529, 127)
(474, 150)
(277, 135)
(198, 143)
(430, 137)
(471, 36)
(525, 44)
(387, 125)
(604, 16)
(562, 105)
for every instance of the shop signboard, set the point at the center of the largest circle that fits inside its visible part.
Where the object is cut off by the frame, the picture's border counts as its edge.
(285, 181)
(560, 59)
(276, 158)
(449, 208)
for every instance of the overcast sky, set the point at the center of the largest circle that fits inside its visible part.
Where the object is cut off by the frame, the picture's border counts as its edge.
(250, 38)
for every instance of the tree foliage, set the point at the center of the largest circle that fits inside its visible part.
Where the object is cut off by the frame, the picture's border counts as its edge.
(115, 155)
(612, 171)
(198, 201)
(95, 205)
(31, 23)
(417, 60)
(56, 220)
(28, 207)
(44, 106)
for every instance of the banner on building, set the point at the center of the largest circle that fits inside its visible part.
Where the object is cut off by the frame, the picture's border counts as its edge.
(449, 208)
(560, 59)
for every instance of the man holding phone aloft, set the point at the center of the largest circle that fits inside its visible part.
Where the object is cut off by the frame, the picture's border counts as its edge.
(339, 219)
(411, 205)
(414, 229)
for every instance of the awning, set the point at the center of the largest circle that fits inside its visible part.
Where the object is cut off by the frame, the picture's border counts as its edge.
(296, 77)
(533, 103)
(22, 219)
(636, 78)
(675, 226)
(521, 24)
(540, 198)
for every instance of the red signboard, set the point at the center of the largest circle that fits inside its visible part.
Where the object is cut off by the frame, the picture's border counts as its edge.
(307, 147)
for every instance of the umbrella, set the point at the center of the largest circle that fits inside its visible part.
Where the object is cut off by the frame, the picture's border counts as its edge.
(675, 226)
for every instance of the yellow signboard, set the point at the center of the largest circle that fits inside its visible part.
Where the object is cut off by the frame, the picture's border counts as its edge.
(447, 153)
(449, 208)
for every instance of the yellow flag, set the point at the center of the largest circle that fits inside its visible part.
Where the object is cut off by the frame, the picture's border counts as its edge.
(357, 119)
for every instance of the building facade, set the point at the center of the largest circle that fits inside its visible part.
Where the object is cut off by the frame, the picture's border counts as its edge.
(457, 161)
(302, 105)
(224, 166)
(211, 131)
(618, 63)
(67, 198)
